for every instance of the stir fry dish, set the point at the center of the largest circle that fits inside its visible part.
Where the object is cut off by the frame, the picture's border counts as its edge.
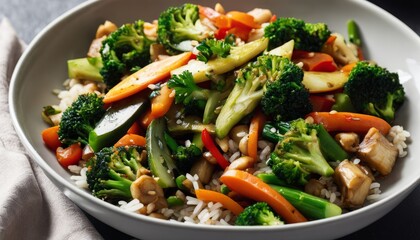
(213, 116)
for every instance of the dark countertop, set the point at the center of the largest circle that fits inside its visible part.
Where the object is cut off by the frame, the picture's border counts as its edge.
(28, 17)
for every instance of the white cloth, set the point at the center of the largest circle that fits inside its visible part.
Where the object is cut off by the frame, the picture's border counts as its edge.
(31, 207)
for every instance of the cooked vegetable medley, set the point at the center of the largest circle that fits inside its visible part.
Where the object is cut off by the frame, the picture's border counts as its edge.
(211, 116)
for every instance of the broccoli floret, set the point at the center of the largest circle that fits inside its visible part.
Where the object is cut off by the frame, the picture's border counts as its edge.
(307, 36)
(375, 90)
(255, 80)
(259, 213)
(286, 98)
(184, 156)
(289, 170)
(188, 92)
(111, 172)
(178, 24)
(125, 50)
(197, 100)
(301, 145)
(80, 118)
(211, 48)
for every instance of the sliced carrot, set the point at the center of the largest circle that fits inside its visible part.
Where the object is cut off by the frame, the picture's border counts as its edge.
(252, 187)
(350, 122)
(146, 119)
(213, 196)
(315, 61)
(243, 18)
(50, 137)
(161, 104)
(131, 140)
(348, 67)
(135, 129)
(150, 74)
(331, 39)
(255, 128)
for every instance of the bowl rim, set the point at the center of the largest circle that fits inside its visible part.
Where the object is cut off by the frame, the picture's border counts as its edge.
(57, 178)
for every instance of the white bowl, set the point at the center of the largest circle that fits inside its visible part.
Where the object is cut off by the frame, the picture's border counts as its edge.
(43, 68)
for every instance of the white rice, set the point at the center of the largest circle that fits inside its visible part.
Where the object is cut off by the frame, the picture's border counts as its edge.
(80, 180)
(398, 136)
(132, 206)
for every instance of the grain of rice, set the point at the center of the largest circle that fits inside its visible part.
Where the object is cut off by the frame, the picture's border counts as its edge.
(375, 185)
(233, 146)
(234, 156)
(356, 161)
(150, 207)
(132, 206)
(75, 169)
(265, 153)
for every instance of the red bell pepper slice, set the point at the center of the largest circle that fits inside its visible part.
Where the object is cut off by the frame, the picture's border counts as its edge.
(211, 146)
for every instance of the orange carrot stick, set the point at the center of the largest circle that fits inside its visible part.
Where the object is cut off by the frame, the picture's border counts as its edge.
(350, 122)
(161, 104)
(150, 74)
(130, 139)
(255, 128)
(254, 188)
(213, 196)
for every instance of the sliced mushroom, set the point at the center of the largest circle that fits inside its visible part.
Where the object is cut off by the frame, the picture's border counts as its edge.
(379, 153)
(314, 187)
(148, 191)
(349, 141)
(354, 184)
(340, 51)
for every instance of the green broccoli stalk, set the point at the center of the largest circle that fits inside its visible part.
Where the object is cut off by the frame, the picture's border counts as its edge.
(124, 51)
(184, 156)
(179, 24)
(307, 36)
(112, 171)
(250, 88)
(80, 118)
(374, 90)
(274, 131)
(259, 213)
(301, 145)
(87, 68)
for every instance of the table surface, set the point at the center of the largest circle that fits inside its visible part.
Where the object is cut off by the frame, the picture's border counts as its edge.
(28, 19)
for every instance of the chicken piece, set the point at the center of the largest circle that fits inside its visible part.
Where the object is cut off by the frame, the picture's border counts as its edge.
(105, 29)
(95, 47)
(147, 191)
(379, 153)
(354, 183)
(204, 170)
(349, 141)
(261, 15)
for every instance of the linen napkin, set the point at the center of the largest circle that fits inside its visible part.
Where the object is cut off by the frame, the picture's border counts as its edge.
(31, 206)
